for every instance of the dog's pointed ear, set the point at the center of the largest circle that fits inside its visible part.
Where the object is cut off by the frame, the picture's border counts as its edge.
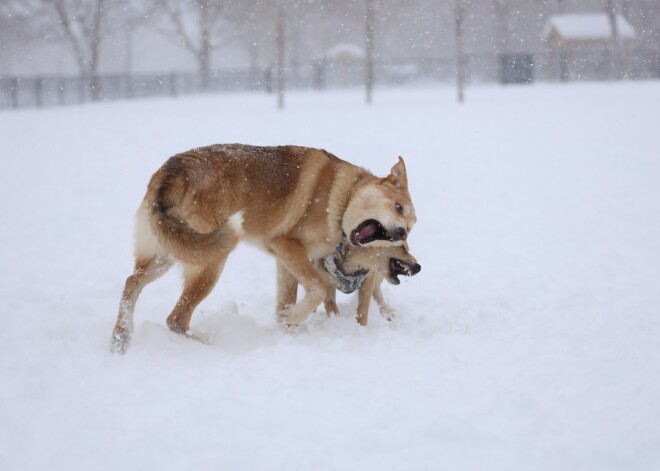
(398, 176)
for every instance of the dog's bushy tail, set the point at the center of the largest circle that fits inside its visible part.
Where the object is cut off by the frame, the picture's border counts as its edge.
(178, 237)
(189, 246)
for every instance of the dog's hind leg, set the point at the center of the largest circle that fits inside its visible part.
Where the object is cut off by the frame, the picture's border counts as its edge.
(201, 277)
(198, 283)
(146, 271)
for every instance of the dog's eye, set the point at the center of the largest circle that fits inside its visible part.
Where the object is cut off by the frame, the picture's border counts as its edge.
(399, 208)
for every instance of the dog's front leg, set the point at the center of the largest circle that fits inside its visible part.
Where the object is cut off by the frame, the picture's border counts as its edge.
(330, 283)
(364, 298)
(385, 310)
(330, 302)
(293, 255)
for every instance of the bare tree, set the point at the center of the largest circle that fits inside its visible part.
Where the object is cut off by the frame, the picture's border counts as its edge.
(83, 23)
(372, 19)
(199, 26)
(460, 7)
(136, 14)
(369, 48)
(283, 11)
(610, 9)
(254, 29)
(281, 57)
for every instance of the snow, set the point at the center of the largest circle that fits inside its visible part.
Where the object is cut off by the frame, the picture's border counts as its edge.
(588, 26)
(528, 341)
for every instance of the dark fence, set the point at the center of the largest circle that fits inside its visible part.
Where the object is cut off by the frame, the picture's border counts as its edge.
(21, 92)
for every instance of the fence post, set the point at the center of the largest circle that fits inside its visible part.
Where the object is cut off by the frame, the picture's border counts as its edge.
(38, 87)
(14, 92)
(173, 89)
(129, 90)
(81, 89)
(60, 91)
(268, 79)
(116, 89)
(319, 74)
(95, 87)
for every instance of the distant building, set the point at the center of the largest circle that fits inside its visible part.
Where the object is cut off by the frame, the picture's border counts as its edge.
(589, 46)
(344, 65)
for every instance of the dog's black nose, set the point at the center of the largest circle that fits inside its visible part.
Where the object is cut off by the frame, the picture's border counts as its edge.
(399, 234)
(416, 268)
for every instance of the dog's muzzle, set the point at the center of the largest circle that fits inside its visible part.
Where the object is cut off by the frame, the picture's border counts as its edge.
(398, 234)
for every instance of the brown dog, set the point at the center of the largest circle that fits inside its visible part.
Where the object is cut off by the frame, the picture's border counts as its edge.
(294, 202)
(356, 268)
(378, 264)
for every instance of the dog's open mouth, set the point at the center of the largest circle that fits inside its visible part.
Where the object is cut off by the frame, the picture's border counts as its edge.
(369, 231)
(399, 267)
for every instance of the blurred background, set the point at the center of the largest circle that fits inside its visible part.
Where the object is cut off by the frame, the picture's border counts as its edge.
(58, 52)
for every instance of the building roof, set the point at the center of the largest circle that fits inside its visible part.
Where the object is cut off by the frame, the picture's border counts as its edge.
(345, 50)
(587, 26)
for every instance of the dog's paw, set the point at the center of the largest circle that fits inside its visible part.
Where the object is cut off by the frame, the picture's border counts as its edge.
(331, 308)
(387, 312)
(287, 320)
(205, 338)
(289, 317)
(120, 341)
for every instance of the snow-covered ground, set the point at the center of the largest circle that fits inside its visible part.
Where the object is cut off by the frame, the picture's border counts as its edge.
(530, 340)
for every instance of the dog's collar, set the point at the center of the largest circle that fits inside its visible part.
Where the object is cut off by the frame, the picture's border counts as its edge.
(345, 283)
(343, 247)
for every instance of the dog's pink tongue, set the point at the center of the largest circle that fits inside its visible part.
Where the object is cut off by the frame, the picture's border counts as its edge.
(367, 231)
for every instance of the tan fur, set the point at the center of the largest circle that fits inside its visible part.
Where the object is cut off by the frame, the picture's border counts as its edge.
(375, 260)
(294, 202)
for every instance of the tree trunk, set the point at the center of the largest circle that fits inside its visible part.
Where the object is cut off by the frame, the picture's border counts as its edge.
(617, 69)
(204, 64)
(95, 49)
(369, 51)
(459, 15)
(86, 43)
(281, 43)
